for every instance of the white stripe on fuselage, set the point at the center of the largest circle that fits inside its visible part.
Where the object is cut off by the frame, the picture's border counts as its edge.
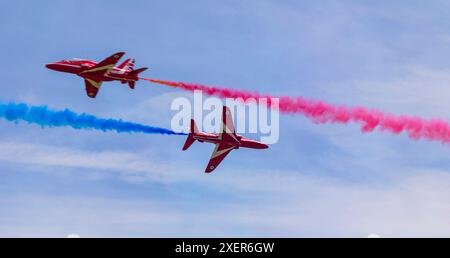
(118, 71)
(70, 65)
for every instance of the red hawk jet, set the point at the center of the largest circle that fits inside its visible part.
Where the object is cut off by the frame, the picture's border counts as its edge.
(94, 74)
(226, 141)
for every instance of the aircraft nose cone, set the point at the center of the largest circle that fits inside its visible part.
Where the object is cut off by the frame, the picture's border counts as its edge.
(260, 145)
(51, 66)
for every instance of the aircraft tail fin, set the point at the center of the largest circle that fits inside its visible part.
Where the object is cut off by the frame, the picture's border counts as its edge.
(190, 140)
(127, 65)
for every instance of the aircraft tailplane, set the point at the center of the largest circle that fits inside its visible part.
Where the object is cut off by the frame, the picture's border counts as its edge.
(137, 71)
(190, 140)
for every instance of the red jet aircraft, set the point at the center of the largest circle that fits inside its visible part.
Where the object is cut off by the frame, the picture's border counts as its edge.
(225, 142)
(94, 74)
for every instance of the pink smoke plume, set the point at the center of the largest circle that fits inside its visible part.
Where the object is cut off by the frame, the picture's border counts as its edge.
(321, 112)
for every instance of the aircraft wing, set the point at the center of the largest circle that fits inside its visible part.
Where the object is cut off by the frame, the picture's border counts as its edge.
(228, 131)
(220, 152)
(92, 87)
(106, 65)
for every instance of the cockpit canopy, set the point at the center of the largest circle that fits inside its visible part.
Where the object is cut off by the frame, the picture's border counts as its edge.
(73, 60)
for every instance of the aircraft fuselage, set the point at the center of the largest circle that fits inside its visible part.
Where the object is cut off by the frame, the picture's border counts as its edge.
(79, 67)
(241, 143)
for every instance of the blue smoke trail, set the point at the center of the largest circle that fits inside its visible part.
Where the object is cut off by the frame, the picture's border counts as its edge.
(45, 117)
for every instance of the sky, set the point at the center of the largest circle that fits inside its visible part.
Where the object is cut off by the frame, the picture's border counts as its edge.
(317, 181)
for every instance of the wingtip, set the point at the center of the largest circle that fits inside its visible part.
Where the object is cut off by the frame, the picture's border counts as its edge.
(210, 169)
(119, 55)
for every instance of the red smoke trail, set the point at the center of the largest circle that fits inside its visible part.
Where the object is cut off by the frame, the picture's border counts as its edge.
(321, 112)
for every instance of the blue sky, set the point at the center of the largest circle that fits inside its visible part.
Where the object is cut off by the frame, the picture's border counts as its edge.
(319, 180)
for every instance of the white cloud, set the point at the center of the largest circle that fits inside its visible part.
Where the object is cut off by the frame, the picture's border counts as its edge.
(419, 91)
(269, 203)
(132, 166)
(59, 216)
(412, 206)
